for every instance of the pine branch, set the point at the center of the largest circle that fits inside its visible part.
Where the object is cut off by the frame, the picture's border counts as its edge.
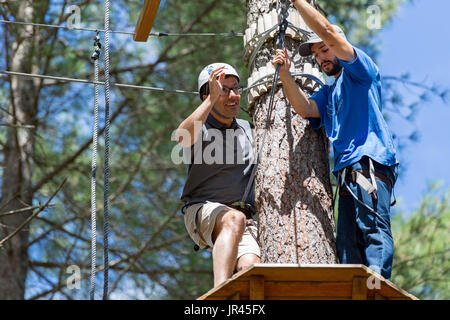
(9, 213)
(30, 218)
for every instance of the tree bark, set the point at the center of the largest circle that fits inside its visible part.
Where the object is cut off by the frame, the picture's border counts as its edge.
(292, 184)
(18, 155)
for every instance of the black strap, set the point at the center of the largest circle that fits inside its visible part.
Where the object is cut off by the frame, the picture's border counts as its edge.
(197, 230)
(188, 204)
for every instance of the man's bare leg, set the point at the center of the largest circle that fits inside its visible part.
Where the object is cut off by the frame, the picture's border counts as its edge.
(228, 231)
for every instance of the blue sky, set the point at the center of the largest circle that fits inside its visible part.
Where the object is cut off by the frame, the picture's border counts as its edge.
(418, 42)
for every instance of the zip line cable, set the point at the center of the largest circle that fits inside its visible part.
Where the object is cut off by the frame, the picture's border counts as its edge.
(130, 86)
(119, 85)
(263, 38)
(154, 34)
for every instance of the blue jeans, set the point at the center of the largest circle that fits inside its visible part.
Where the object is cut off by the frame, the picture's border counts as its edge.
(363, 238)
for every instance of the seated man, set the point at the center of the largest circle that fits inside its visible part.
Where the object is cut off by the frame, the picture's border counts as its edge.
(220, 161)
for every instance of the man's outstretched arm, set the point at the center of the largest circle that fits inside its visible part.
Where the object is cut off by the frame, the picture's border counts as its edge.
(323, 28)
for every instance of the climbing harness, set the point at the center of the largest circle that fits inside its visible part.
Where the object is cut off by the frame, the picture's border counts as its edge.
(361, 177)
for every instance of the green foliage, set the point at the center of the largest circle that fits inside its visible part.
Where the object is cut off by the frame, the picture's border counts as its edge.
(149, 245)
(422, 247)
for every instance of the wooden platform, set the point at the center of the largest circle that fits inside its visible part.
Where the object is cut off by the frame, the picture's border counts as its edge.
(306, 282)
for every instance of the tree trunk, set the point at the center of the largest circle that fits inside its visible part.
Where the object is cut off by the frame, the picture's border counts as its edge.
(18, 156)
(292, 186)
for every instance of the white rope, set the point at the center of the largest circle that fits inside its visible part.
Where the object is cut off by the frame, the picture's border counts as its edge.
(94, 57)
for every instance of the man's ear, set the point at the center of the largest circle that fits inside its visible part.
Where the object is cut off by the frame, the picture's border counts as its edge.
(204, 97)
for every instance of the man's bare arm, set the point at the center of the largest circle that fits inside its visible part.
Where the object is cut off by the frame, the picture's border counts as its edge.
(323, 28)
(305, 107)
(200, 114)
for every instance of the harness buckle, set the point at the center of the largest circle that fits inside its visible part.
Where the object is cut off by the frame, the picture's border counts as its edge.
(247, 208)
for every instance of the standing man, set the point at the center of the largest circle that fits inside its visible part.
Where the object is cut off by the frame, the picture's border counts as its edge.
(219, 167)
(364, 153)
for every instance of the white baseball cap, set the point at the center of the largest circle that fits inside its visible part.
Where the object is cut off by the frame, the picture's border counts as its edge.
(203, 78)
(305, 47)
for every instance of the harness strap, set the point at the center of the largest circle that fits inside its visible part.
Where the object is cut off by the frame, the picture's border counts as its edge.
(369, 186)
(188, 204)
(249, 211)
(358, 177)
(197, 230)
(247, 208)
(251, 222)
(364, 204)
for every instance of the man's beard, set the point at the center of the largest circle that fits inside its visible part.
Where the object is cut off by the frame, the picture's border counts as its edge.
(336, 67)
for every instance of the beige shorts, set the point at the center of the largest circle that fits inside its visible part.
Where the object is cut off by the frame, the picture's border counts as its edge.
(206, 219)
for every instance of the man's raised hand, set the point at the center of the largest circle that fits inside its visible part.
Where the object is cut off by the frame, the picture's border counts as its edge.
(215, 83)
(282, 59)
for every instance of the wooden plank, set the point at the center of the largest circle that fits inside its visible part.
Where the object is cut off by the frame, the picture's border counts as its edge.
(308, 289)
(294, 272)
(146, 19)
(227, 289)
(294, 290)
(359, 288)
(303, 298)
(387, 288)
(257, 288)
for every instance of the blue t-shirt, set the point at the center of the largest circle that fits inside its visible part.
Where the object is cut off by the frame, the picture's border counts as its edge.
(351, 111)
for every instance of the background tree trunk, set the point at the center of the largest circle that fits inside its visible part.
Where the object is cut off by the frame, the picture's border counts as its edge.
(18, 155)
(292, 186)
